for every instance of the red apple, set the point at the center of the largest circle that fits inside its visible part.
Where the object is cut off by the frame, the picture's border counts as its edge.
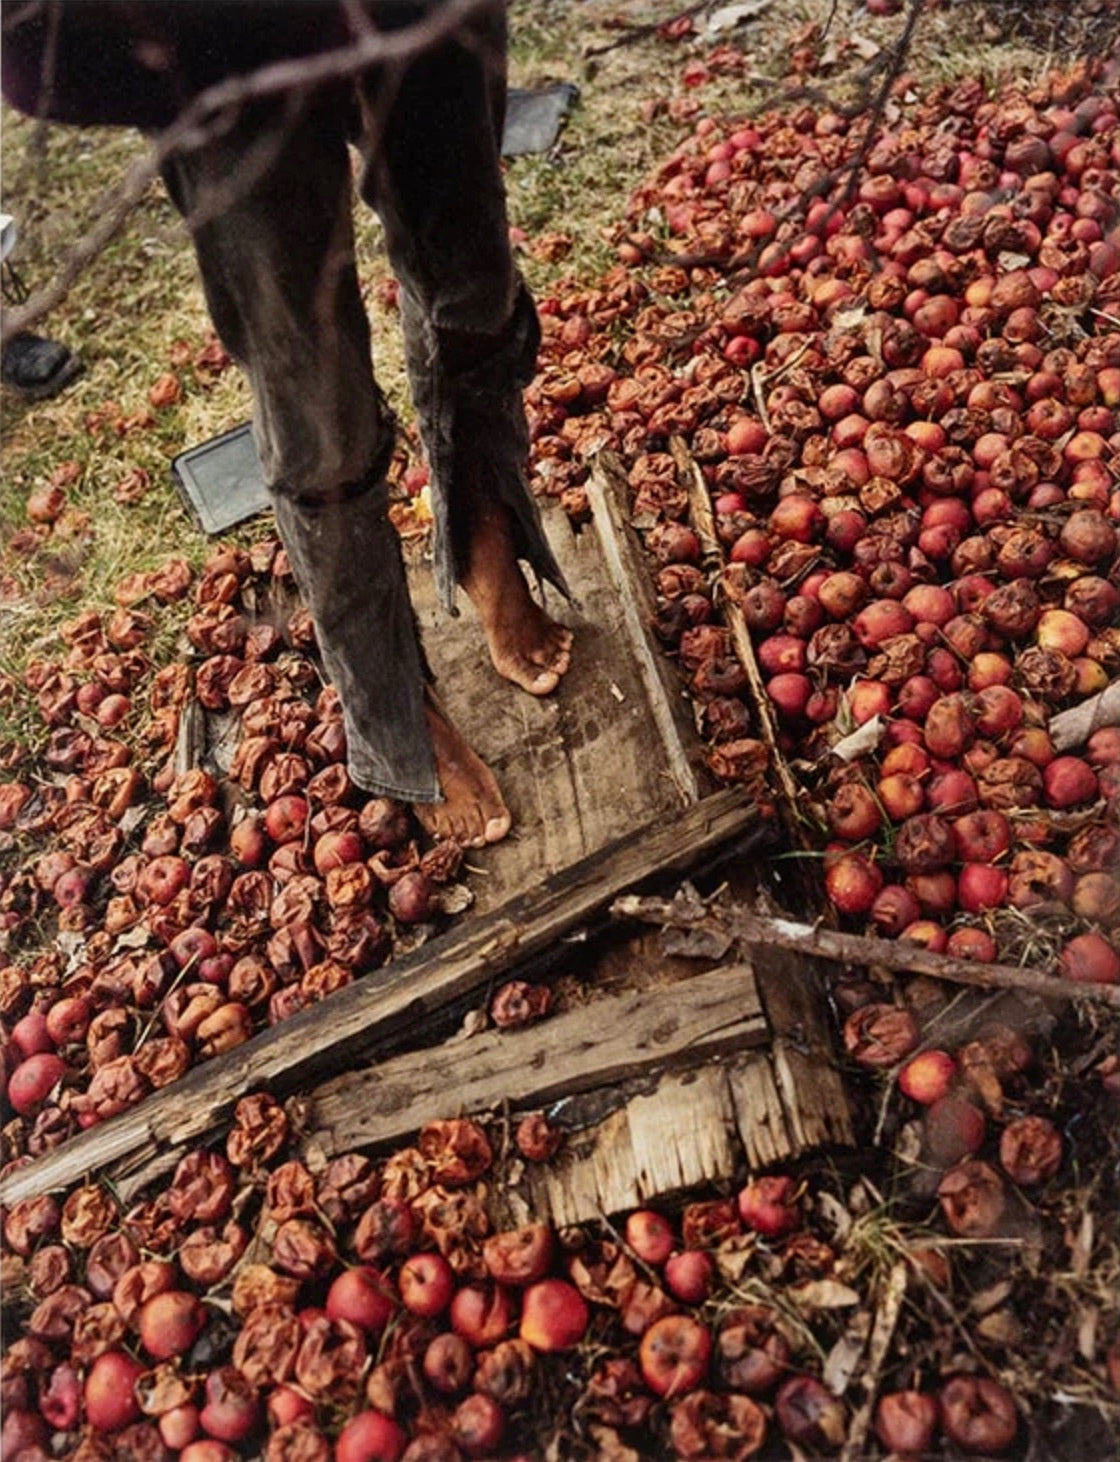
(689, 1276)
(481, 1313)
(362, 1296)
(928, 1076)
(170, 1323)
(371, 1436)
(426, 1283)
(554, 1315)
(650, 1235)
(673, 1355)
(110, 1400)
(771, 1206)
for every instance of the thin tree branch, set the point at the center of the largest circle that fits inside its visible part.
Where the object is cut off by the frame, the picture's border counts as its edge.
(212, 109)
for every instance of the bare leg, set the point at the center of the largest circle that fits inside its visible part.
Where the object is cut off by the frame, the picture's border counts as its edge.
(526, 646)
(473, 810)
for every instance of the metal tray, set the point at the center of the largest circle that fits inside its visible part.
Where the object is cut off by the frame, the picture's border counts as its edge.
(221, 480)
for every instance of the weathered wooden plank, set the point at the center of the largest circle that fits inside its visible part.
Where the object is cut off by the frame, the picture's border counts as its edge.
(607, 1040)
(380, 1006)
(681, 1134)
(700, 514)
(611, 1039)
(760, 1114)
(579, 768)
(607, 493)
(816, 1108)
(591, 1176)
(677, 1137)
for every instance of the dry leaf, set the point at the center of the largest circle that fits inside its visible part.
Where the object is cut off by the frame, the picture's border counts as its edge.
(861, 741)
(844, 1357)
(986, 1300)
(454, 898)
(734, 1256)
(1000, 1328)
(1081, 1249)
(823, 1294)
(611, 1447)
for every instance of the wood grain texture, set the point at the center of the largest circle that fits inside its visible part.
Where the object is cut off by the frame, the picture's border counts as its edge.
(760, 1115)
(677, 1137)
(609, 1040)
(629, 578)
(584, 766)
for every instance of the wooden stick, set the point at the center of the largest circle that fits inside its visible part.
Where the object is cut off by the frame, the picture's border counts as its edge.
(1074, 727)
(605, 492)
(857, 949)
(383, 1005)
(700, 511)
(882, 1333)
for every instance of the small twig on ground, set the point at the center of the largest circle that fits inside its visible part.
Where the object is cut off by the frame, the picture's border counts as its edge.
(882, 1333)
(645, 29)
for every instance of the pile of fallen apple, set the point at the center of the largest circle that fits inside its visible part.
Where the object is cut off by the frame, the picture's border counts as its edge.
(257, 1304)
(155, 917)
(902, 389)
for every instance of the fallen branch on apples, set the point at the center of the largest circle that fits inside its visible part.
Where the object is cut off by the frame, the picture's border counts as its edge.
(1074, 727)
(857, 949)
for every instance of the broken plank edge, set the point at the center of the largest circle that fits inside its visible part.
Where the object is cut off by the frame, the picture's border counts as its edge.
(612, 1039)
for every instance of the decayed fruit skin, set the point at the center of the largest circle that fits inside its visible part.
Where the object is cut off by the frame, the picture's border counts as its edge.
(978, 1414)
(880, 1034)
(1030, 1150)
(810, 1415)
(521, 1256)
(752, 1354)
(973, 1199)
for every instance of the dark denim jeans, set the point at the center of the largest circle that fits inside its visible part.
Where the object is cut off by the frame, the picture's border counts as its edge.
(268, 203)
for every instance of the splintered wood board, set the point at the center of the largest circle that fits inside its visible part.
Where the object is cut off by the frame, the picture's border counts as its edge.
(611, 1039)
(388, 1004)
(607, 752)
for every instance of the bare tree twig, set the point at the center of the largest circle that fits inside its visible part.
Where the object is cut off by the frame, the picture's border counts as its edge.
(212, 109)
(643, 30)
(897, 955)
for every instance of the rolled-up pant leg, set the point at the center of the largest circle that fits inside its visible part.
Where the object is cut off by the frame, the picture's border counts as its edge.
(431, 145)
(269, 206)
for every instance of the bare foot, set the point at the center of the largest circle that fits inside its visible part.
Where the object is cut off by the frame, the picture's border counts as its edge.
(473, 810)
(526, 646)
